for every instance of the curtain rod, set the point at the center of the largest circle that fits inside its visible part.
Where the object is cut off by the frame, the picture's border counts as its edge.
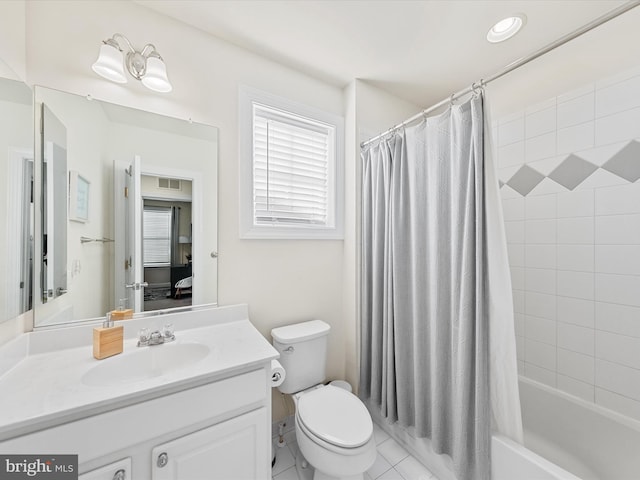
(514, 65)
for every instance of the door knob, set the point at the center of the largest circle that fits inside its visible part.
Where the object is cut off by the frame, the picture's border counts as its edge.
(120, 475)
(163, 459)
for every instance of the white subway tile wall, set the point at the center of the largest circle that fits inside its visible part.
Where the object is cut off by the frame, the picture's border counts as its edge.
(574, 239)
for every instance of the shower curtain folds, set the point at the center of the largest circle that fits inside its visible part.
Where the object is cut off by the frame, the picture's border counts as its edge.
(425, 300)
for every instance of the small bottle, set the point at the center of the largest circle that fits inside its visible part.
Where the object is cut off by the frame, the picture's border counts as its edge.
(108, 340)
(122, 313)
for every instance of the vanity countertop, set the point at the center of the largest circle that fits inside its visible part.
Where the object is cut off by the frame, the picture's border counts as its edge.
(43, 387)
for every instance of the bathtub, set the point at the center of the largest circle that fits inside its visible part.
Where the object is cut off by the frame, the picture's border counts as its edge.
(567, 438)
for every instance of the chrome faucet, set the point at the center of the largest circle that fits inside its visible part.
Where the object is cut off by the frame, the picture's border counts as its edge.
(157, 337)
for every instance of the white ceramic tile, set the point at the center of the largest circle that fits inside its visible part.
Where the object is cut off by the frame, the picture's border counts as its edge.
(520, 367)
(540, 354)
(540, 231)
(576, 311)
(511, 132)
(506, 173)
(578, 203)
(618, 127)
(540, 280)
(578, 137)
(618, 97)
(518, 319)
(618, 349)
(601, 178)
(540, 329)
(520, 348)
(541, 375)
(516, 254)
(518, 301)
(540, 207)
(622, 259)
(379, 467)
(576, 230)
(289, 474)
(576, 111)
(618, 403)
(392, 451)
(547, 165)
(575, 93)
(618, 379)
(618, 77)
(575, 338)
(576, 365)
(575, 284)
(540, 305)
(379, 434)
(517, 278)
(542, 146)
(544, 105)
(284, 460)
(514, 231)
(392, 474)
(576, 387)
(511, 155)
(618, 200)
(601, 155)
(546, 187)
(513, 209)
(622, 289)
(412, 469)
(621, 319)
(540, 122)
(540, 256)
(507, 192)
(578, 258)
(617, 230)
(511, 117)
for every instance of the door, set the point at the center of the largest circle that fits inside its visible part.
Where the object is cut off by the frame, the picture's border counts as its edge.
(237, 449)
(129, 270)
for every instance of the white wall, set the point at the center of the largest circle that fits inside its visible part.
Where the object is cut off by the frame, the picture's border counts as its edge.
(282, 281)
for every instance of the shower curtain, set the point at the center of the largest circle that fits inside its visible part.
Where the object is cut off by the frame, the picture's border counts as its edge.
(436, 289)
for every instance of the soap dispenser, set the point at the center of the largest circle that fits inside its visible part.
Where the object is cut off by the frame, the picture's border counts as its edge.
(122, 313)
(108, 340)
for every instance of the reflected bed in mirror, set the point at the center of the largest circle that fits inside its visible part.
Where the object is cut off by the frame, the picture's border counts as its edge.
(142, 223)
(16, 207)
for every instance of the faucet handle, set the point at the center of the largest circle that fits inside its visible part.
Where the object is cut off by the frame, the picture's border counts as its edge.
(168, 330)
(143, 336)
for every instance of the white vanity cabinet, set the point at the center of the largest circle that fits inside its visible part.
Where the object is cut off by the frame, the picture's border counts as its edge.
(120, 470)
(219, 430)
(227, 451)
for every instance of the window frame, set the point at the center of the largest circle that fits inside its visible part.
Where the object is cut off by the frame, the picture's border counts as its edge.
(335, 196)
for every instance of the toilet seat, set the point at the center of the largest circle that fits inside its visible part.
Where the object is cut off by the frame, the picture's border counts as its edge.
(335, 416)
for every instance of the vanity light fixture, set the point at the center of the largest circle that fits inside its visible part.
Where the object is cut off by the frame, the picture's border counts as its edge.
(506, 28)
(146, 65)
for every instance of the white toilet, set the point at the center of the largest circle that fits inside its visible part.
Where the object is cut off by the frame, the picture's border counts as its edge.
(333, 427)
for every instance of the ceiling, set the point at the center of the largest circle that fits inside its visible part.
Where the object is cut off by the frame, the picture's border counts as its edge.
(421, 51)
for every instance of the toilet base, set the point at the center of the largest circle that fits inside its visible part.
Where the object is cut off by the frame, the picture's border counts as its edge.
(318, 475)
(306, 471)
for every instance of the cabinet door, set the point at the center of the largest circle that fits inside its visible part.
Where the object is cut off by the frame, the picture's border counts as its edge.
(237, 449)
(120, 470)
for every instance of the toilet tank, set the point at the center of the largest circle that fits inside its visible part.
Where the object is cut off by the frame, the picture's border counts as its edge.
(303, 354)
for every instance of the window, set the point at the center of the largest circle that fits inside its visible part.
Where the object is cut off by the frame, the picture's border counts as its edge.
(290, 173)
(156, 236)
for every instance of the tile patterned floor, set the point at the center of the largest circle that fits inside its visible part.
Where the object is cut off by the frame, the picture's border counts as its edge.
(393, 461)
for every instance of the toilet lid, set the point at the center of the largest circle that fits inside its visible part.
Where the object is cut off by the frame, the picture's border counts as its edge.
(335, 416)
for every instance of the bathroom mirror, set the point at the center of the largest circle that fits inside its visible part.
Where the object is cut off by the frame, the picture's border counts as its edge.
(139, 216)
(16, 207)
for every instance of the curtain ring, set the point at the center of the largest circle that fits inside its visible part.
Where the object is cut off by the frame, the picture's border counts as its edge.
(451, 99)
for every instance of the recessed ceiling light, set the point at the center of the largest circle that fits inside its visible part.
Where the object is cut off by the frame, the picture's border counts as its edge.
(506, 28)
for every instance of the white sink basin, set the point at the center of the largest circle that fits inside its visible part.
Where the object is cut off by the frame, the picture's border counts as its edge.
(145, 363)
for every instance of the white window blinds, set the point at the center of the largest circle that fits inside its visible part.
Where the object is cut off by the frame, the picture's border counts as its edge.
(156, 224)
(293, 162)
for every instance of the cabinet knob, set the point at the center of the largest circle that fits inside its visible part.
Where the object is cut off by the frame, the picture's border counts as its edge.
(120, 475)
(163, 459)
